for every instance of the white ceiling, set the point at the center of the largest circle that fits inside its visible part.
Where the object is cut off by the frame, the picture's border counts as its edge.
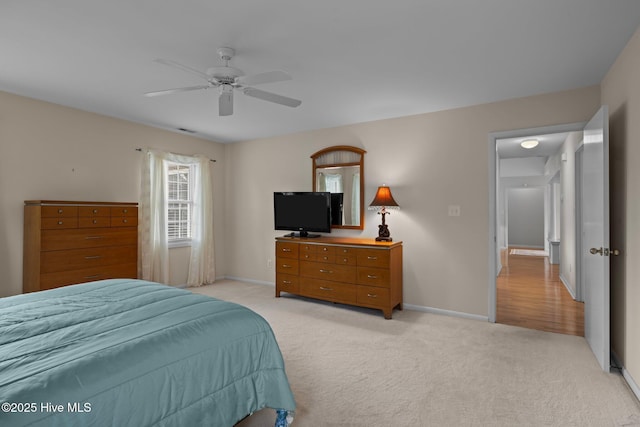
(351, 60)
(548, 145)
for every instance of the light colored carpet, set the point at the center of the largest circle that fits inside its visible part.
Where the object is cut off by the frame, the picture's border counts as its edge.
(350, 367)
(529, 252)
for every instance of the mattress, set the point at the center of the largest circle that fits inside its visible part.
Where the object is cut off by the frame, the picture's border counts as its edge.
(135, 353)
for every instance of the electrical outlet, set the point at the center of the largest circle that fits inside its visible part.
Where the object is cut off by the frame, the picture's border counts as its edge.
(269, 263)
(454, 210)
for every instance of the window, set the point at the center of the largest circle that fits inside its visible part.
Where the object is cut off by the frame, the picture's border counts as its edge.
(179, 203)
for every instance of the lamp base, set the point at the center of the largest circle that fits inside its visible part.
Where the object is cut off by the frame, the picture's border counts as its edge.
(383, 239)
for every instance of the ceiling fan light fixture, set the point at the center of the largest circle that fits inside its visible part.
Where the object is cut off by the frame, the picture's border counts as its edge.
(529, 143)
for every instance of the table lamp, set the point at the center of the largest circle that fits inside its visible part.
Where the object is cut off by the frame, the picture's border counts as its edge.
(382, 202)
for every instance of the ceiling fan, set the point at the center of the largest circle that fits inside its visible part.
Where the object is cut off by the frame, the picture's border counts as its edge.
(227, 78)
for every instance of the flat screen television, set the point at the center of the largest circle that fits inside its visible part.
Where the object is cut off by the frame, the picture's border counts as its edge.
(302, 212)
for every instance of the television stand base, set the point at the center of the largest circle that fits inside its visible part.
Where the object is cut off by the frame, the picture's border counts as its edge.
(302, 234)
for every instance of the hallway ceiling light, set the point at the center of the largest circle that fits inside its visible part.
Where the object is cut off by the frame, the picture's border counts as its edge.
(529, 143)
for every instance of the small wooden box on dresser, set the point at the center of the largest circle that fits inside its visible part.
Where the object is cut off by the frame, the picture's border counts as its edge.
(353, 271)
(74, 242)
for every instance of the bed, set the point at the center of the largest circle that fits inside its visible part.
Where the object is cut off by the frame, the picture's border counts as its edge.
(136, 353)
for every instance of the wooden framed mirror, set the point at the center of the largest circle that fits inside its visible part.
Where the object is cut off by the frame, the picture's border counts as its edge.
(340, 171)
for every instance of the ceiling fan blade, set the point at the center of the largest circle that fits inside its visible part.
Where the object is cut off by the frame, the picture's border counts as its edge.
(225, 103)
(268, 77)
(182, 67)
(271, 97)
(177, 90)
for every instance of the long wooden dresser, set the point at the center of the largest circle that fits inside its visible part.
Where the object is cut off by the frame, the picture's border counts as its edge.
(353, 271)
(74, 242)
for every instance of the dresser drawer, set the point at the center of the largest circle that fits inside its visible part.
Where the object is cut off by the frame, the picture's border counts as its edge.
(334, 272)
(55, 240)
(59, 211)
(94, 222)
(63, 278)
(373, 297)
(124, 211)
(373, 258)
(331, 291)
(288, 283)
(373, 276)
(345, 259)
(286, 250)
(76, 259)
(91, 211)
(59, 223)
(127, 221)
(286, 265)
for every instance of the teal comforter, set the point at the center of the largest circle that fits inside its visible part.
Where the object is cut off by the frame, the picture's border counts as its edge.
(135, 353)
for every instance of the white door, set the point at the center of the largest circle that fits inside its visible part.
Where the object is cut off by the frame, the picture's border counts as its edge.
(595, 235)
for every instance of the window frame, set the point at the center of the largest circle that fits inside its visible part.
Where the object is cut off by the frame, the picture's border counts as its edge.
(180, 241)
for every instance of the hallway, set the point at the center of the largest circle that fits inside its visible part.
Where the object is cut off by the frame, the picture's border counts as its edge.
(531, 295)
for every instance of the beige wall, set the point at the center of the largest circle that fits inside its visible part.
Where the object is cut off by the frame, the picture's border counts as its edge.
(52, 152)
(621, 92)
(430, 161)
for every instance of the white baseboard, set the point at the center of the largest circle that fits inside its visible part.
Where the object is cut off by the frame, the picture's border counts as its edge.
(407, 306)
(626, 375)
(566, 285)
(445, 312)
(525, 246)
(256, 282)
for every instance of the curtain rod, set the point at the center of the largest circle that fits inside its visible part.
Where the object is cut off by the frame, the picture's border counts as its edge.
(212, 160)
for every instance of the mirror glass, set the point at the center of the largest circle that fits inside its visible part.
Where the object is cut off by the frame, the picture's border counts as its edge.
(340, 171)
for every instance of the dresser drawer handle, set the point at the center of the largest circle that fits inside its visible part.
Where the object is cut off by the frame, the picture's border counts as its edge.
(286, 266)
(60, 211)
(92, 277)
(286, 250)
(124, 221)
(372, 257)
(345, 260)
(95, 211)
(372, 295)
(93, 237)
(286, 282)
(325, 258)
(95, 221)
(124, 211)
(60, 223)
(306, 256)
(326, 271)
(93, 257)
(322, 288)
(371, 276)
(325, 249)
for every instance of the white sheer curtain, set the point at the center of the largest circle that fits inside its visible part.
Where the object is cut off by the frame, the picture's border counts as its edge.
(355, 199)
(154, 250)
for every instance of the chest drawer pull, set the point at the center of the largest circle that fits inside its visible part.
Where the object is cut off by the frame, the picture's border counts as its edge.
(326, 271)
(371, 276)
(372, 295)
(286, 266)
(92, 237)
(325, 258)
(286, 282)
(95, 211)
(60, 211)
(286, 250)
(93, 257)
(322, 288)
(372, 257)
(60, 223)
(325, 249)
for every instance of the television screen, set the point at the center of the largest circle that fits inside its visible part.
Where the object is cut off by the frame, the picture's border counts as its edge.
(302, 212)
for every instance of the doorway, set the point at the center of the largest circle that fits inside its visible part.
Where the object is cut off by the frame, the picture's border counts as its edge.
(537, 285)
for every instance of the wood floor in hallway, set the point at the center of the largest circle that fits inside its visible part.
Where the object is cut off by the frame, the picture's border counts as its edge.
(530, 294)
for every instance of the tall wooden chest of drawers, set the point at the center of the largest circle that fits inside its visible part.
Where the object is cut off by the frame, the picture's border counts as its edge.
(353, 271)
(75, 242)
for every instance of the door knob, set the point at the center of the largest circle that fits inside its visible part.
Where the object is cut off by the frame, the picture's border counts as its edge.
(615, 252)
(595, 251)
